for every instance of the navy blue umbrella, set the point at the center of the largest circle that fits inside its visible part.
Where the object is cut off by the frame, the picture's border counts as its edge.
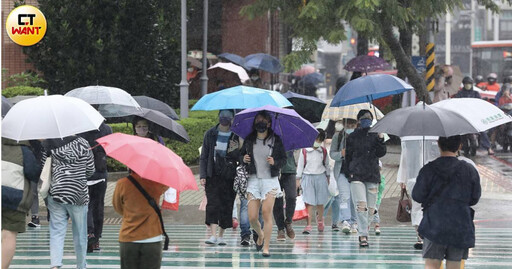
(6, 105)
(312, 80)
(263, 62)
(368, 88)
(236, 59)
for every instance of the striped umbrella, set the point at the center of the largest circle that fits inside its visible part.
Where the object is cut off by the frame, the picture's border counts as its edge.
(349, 112)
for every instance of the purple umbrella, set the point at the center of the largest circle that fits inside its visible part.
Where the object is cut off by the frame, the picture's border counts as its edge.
(295, 131)
(365, 63)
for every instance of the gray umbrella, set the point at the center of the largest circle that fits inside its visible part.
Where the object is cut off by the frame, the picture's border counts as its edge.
(6, 105)
(16, 99)
(164, 126)
(155, 104)
(424, 120)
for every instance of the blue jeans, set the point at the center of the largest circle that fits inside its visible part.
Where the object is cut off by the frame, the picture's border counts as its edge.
(58, 228)
(245, 226)
(364, 197)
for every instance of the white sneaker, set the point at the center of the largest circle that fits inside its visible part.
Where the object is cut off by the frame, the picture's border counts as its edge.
(221, 242)
(211, 241)
(354, 228)
(345, 227)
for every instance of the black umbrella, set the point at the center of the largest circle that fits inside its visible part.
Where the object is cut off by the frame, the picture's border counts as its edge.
(164, 126)
(6, 105)
(309, 107)
(155, 104)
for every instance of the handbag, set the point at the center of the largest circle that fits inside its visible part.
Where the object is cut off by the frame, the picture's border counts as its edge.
(333, 187)
(240, 181)
(300, 209)
(403, 214)
(171, 200)
(46, 178)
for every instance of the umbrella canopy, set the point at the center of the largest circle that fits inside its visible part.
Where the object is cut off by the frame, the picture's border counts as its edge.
(365, 64)
(241, 97)
(164, 126)
(46, 117)
(295, 131)
(425, 120)
(263, 62)
(233, 68)
(368, 88)
(349, 112)
(481, 114)
(306, 69)
(236, 59)
(194, 62)
(150, 160)
(312, 80)
(6, 105)
(155, 104)
(16, 99)
(113, 102)
(308, 107)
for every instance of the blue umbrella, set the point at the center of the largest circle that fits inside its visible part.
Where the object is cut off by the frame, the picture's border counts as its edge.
(311, 80)
(295, 132)
(263, 62)
(241, 97)
(6, 105)
(368, 88)
(236, 59)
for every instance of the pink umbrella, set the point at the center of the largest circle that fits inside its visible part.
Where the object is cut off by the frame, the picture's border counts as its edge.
(307, 69)
(150, 160)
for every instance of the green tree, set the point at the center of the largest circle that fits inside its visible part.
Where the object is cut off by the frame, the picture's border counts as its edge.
(376, 19)
(130, 44)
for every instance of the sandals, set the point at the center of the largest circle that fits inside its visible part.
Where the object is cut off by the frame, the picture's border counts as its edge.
(363, 241)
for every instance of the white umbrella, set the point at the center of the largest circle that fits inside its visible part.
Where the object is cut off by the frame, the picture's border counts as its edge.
(242, 74)
(349, 111)
(113, 102)
(479, 113)
(46, 117)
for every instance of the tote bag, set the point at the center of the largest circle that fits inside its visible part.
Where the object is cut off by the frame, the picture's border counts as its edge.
(46, 177)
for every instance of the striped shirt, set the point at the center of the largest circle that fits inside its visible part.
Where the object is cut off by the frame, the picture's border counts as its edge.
(72, 164)
(222, 143)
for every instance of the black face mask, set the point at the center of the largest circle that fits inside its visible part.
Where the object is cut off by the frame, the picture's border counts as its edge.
(261, 127)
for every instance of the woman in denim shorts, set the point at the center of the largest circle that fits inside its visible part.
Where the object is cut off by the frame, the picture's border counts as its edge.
(264, 154)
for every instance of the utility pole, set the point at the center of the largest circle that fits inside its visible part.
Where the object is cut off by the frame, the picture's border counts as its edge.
(430, 57)
(204, 76)
(448, 37)
(184, 83)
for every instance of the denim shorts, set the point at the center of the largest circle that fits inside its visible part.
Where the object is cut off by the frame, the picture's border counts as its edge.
(435, 251)
(260, 187)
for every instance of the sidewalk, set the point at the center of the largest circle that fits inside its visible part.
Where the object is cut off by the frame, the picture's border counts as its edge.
(496, 185)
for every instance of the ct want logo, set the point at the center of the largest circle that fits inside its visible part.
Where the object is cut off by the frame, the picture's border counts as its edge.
(26, 25)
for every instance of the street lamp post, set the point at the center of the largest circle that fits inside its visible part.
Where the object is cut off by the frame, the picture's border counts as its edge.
(204, 76)
(184, 83)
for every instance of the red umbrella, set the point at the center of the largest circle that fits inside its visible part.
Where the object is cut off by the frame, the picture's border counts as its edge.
(150, 160)
(307, 69)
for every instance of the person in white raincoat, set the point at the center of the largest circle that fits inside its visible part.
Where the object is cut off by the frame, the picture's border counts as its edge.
(414, 157)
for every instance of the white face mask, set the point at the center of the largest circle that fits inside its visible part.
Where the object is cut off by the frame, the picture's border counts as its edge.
(255, 77)
(141, 130)
(190, 69)
(338, 126)
(317, 144)
(468, 86)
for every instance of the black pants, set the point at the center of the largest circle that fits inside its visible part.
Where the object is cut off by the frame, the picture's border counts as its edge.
(288, 184)
(140, 255)
(220, 198)
(96, 208)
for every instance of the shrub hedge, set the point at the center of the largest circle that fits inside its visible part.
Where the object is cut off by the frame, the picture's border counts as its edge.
(21, 90)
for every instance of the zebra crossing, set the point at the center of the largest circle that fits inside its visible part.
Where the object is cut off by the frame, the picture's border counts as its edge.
(392, 249)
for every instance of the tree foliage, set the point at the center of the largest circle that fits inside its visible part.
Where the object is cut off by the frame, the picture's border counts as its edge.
(130, 44)
(315, 19)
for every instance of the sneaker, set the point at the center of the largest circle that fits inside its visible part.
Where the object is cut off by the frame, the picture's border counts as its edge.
(289, 230)
(211, 241)
(235, 223)
(307, 230)
(345, 227)
(280, 235)
(320, 226)
(246, 240)
(354, 227)
(34, 222)
(377, 229)
(221, 242)
(335, 228)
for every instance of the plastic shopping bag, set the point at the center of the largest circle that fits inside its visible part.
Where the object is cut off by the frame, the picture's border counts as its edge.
(333, 186)
(171, 200)
(300, 209)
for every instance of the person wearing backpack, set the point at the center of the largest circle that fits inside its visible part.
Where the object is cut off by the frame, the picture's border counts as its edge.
(447, 188)
(313, 172)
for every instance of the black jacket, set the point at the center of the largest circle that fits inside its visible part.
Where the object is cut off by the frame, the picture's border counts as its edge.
(468, 94)
(100, 157)
(207, 165)
(278, 153)
(362, 156)
(446, 188)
